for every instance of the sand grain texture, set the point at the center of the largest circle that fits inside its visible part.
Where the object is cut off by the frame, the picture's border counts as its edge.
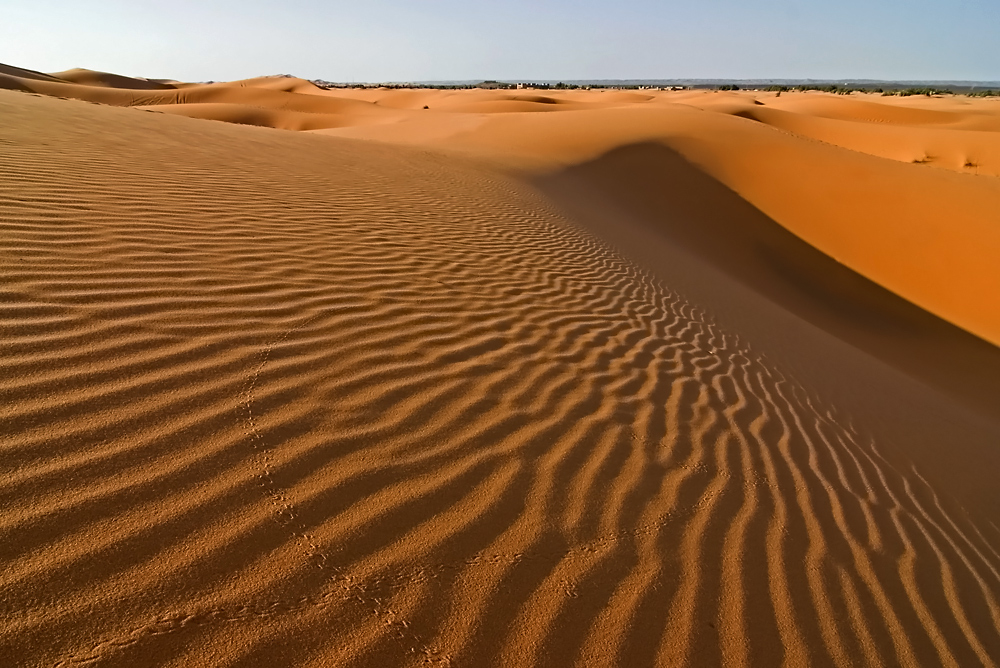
(291, 399)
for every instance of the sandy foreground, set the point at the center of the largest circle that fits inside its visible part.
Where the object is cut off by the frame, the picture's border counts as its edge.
(496, 378)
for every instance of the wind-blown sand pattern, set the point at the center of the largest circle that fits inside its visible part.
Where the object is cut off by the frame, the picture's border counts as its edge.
(275, 398)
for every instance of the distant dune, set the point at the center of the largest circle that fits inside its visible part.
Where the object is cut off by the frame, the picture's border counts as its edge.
(108, 80)
(496, 378)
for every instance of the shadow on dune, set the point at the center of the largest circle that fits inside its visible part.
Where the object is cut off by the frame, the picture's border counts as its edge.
(644, 195)
(8, 82)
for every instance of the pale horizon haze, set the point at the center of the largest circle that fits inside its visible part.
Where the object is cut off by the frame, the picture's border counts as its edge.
(392, 40)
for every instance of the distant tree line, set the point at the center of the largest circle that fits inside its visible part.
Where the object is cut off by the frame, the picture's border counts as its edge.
(847, 90)
(837, 89)
(490, 84)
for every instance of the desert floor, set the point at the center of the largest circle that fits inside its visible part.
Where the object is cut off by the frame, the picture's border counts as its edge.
(376, 377)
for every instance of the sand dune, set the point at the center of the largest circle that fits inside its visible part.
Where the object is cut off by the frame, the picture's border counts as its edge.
(669, 198)
(890, 222)
(968, 151)
(284, 119)
(108, 80)
(981, 116)
(22, 73)
(500, 388)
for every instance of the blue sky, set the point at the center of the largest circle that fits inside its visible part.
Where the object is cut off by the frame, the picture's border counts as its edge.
(397, 40)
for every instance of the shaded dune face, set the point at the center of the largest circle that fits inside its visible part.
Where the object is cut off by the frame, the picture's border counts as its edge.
(676, 202)
(274, 399)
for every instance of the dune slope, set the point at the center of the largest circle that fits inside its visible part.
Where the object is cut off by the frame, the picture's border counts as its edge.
(875, 183)
(927, 234)
(673, 200)
(285, 399)
(107, 80)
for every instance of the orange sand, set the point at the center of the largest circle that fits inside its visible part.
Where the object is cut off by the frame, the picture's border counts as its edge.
(650, 378)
